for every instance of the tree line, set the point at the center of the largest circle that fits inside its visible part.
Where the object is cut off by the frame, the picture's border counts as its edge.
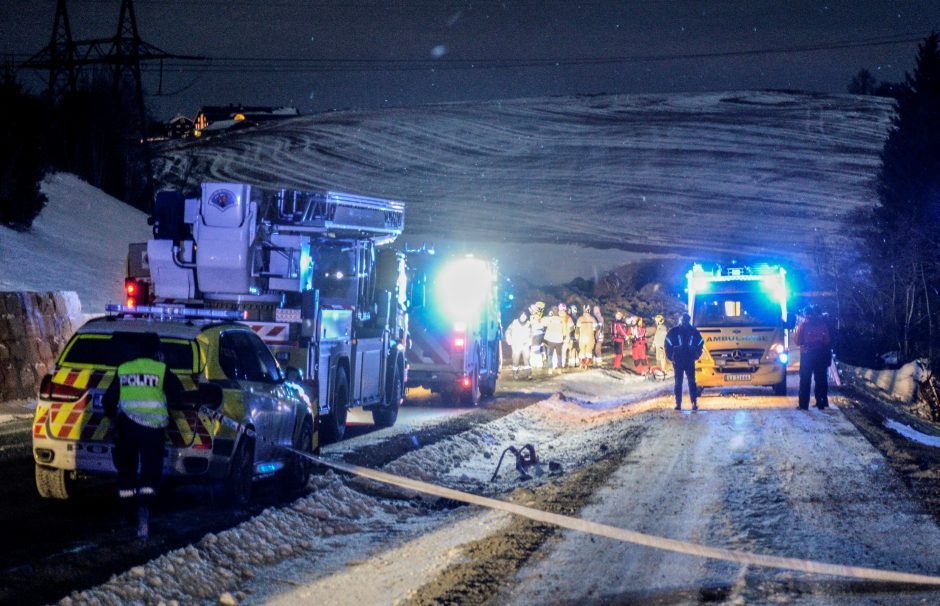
(887, 290)
(89, 132)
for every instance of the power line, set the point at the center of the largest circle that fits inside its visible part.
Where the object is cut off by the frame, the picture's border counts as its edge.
(298, 65)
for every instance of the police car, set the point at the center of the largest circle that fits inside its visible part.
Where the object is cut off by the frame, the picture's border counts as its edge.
(243, 419)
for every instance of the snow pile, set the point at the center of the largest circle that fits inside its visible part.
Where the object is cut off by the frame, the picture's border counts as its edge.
(897, 384)
(218, 563)
(595, 388)
(78, 242)
(562, 430)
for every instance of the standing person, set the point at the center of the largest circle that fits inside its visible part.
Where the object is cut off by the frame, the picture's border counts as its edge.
(138, 401)
(683, 347)
(618, 330)
(598, 335)
(567, 328)
(814, 338)
(638, 349)
(587, 326)
(538, 334)
(573, 338)
(659, 342)
(554, 337)
(519, 338)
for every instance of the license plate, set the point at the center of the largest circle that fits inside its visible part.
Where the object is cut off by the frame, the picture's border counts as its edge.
(737, 377)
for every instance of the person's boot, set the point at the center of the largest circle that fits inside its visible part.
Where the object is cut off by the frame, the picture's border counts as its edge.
(143, 523)
(679, 406)
(694, 406)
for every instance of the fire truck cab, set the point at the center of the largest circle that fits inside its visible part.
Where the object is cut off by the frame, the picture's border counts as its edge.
(741, 313)
(311, 270)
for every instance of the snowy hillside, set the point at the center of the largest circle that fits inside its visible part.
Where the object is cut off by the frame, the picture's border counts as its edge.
(78, 242)
(716, 174)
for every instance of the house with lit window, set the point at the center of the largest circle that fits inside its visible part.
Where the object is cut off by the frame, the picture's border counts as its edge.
(214, 118)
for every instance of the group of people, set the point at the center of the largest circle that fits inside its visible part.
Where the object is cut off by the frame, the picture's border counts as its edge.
(559, 337)
(556, 339)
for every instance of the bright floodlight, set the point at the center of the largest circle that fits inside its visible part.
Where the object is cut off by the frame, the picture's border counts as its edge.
(462, 287)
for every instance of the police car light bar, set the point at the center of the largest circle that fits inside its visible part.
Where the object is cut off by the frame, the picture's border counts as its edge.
(177, 312)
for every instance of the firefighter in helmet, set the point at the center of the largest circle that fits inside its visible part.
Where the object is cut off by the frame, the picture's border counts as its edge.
(659, 342)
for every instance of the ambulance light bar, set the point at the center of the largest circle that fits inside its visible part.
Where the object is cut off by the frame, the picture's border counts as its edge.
(175, 311)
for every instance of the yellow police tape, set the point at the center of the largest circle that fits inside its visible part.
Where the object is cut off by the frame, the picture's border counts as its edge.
(630, 536)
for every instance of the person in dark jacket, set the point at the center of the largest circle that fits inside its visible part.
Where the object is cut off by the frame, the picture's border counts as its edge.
(815, 340)
(138, 401)
(684, 346)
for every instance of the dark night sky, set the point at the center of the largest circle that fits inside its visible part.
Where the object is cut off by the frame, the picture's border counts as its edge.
(411, 50)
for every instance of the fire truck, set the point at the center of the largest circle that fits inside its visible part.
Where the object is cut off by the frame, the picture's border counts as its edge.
(455, 326)
(742, 315)
(313, 274)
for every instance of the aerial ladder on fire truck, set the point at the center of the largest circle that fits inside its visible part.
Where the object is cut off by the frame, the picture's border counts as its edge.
(311, 271)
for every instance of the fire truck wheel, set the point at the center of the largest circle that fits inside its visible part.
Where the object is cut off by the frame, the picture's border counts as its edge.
(241, 470)
(488, 385)
(470, 396)
(387, 415)
(52, 483)
(297, 473)
(334, 424)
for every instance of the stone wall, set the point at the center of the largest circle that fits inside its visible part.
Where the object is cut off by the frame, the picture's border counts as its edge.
(34, 327)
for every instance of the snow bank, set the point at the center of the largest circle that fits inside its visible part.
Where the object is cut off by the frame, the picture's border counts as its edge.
(78, 242)
(899, 384)
(205, 571)
(912, 434)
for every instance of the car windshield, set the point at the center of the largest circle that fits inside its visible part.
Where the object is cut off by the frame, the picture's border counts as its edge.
(113, 349)
(736, 309)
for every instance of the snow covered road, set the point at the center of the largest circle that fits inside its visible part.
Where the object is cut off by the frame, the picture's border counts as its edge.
(748, 472)
(756, 475)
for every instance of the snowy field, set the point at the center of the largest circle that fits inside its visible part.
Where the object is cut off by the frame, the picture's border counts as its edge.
(78, 242)
(765, 174)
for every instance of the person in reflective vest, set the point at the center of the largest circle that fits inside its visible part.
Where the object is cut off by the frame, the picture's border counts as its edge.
(138, 401)
(684, 345)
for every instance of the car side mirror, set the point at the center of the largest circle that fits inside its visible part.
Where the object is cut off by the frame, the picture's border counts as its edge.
(295, 375)
(211, 395)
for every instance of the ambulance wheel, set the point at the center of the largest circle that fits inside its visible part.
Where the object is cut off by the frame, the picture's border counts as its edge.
(334, 424)
(297, 474)
(240, 473)
(388, 414)
(53, 483)
(780, 389)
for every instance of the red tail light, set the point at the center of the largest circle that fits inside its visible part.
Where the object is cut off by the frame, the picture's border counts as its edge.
(130, 287)
(459, 343)
(466, 381)
(58, 392)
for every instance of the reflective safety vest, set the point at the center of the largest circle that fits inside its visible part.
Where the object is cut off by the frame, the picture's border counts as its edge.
(142, 397)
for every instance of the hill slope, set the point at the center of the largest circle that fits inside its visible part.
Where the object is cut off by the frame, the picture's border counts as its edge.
(707, 175)
(78, 242)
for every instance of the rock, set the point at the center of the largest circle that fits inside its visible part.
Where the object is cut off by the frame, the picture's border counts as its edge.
(138, 572)
(155, 582)
(227, 599)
